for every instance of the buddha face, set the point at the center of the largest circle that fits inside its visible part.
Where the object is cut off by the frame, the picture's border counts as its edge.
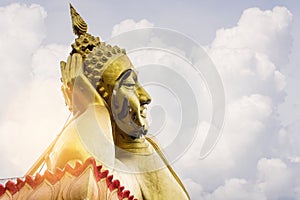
(128, 103)
(128, 99)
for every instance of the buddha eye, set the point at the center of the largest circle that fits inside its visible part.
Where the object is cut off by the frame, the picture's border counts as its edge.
(129, 85)
(128, 80)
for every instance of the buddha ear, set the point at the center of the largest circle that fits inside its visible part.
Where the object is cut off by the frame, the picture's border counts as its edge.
(103, 93)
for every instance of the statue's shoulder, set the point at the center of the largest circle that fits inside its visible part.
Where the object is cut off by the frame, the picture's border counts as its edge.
(82, 137)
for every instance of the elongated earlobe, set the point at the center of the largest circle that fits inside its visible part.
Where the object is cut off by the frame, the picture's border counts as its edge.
(103, 92)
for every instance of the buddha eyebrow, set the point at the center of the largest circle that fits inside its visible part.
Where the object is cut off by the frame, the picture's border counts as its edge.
(124, 76)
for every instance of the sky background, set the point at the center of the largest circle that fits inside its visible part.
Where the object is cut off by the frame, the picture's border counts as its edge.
(255, 46)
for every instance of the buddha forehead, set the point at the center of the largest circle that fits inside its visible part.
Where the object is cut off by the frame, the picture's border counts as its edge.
(116, 69)
(106, 64)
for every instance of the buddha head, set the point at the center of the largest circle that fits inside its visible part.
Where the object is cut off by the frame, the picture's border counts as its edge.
(110, 72)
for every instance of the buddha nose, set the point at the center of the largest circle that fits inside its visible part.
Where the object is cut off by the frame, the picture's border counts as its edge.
(144, 97)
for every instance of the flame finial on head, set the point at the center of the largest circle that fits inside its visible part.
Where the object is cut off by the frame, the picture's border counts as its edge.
(95, 56)
(85, 42)
(79, 25)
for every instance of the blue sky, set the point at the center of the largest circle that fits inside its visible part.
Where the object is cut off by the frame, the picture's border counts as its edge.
(199, 19)
(255, 51)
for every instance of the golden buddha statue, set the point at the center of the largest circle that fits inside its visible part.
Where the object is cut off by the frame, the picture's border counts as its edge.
(109, 123)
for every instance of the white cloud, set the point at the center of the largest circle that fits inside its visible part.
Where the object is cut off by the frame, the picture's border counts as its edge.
(45, 61)
(32, 109)
(130, 24)
(195, 190)
(274, 178)
(32, 120)
(22, 31)
(249, 58)
(266, 32)
(237, 189)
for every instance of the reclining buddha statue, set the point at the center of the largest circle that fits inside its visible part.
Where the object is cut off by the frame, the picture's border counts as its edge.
(108, 128)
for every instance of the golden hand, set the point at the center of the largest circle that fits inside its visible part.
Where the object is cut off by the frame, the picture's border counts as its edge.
(77, 90)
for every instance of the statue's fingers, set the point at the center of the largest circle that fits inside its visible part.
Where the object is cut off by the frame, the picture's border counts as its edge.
(78, 64)
(76, 69)
(73, 67)
(67, 69)
(63, 72)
